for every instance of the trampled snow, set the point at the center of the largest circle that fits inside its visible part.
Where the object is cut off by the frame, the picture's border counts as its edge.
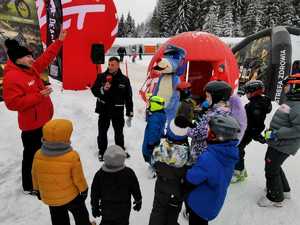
(240, 206)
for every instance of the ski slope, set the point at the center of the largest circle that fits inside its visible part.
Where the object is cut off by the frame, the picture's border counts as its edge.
(240, 205)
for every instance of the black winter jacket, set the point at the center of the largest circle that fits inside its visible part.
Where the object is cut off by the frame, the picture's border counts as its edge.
(257, 109)
(112, 101)
(114, 190)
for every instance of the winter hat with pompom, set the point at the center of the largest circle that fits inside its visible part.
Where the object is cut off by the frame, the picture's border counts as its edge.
(15, 50)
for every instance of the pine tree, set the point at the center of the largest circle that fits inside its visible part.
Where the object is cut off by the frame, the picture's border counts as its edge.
(288, 13)
(130, 26)
(271, 13)
(200, 12)
(184, 21)
(227, 22)
(212, 24)
(121, 27)
(167, 16)
(250, 19)
(141, 30)
(296, 19)
(237, 9)
(154, 25)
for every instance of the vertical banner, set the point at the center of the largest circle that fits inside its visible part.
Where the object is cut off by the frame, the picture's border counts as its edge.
(54, 23)
(281, 61)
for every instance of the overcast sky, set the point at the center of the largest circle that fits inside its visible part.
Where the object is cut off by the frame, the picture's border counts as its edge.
(139, 9)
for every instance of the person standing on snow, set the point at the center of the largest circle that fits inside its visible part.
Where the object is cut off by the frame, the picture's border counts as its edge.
(210, 177)
(258, 107)
(58, 177)
(122, 52)
(155, 128)
(283, 139)
(170, 160)
(25, 92)
(218, 102)
(113, 91)
(112, 188)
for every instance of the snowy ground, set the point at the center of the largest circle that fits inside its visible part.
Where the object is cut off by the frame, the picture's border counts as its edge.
(240, 206)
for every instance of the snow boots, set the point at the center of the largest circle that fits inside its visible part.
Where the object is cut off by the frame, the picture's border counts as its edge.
(239, 176)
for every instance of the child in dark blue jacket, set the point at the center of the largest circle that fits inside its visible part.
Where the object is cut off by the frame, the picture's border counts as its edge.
(154, 131)
(211, 175)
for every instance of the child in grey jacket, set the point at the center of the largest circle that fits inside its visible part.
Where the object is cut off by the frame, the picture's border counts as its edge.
(283, 140)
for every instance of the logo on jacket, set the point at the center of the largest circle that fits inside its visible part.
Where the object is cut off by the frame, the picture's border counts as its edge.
(30, 83)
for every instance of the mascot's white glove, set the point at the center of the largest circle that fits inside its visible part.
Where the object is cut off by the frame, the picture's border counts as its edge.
(128, 121)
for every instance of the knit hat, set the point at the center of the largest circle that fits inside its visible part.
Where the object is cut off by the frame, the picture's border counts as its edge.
(224, 127)
(15, 50)
(175, 133)
(58, 131)
(219, 90)
(114, 158)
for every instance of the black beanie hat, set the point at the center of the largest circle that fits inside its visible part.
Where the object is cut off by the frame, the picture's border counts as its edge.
(219, 90)
(15, 50)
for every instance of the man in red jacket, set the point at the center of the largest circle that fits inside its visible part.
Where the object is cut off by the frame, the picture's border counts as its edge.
(25, 92)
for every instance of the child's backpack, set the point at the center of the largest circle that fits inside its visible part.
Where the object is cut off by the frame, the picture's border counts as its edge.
(176, 155)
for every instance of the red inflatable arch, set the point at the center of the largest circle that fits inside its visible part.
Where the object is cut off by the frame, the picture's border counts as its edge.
(209, 59)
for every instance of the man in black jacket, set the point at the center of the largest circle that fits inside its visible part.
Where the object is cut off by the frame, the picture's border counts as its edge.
(113, 91)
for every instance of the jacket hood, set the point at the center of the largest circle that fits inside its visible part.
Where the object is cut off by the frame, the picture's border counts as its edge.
(58, 131)
(226, 152)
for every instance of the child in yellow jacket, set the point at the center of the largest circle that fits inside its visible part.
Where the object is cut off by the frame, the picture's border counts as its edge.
(57, 175)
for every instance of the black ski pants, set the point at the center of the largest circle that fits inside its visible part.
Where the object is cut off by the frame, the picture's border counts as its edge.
(276, 181)
(60, 216)
(31, 142)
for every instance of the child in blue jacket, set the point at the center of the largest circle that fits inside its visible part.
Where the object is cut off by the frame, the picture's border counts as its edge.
(211, 175)
(154, 131)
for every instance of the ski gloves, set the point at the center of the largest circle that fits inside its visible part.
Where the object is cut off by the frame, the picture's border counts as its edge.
(128, 121)
(137, 205)
(270, 135)
(96, 211)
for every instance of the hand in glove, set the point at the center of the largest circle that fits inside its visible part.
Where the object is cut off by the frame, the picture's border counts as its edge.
(84, 194)
(205, 105)
(128, 121)
(260, 139)
(270, 135)
(137, 205)
(96, 211)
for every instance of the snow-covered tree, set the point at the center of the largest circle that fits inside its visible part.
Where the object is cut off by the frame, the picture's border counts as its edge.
(212, 24)
(271, 13)
(130, 26)
(227, 22)
(121, 27)
(250, 20)
(184, 20)
(141, 30)
(288, 13)
(167, 15)
(154, 25)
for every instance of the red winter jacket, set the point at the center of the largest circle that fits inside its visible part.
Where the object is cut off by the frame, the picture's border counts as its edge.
(21, 90)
